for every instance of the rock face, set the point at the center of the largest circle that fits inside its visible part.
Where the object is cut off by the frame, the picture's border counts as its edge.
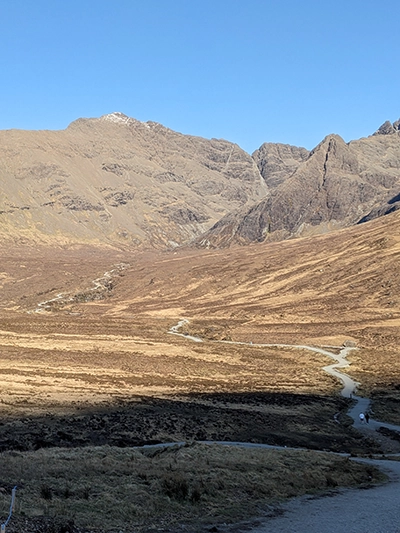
(119, 181)
(388, 128)
(334, 186)
(388, 207)
(276, 162)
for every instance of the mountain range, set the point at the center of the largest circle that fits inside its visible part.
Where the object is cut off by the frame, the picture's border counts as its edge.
(117, 181)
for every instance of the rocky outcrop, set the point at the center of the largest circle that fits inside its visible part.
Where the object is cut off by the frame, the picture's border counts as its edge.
(115, 198)
(276, 162)
(388, 128)
(184, 215)
(336, 185)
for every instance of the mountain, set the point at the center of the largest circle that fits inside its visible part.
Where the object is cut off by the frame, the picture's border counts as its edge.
(276, 162)
(335, 185)
(119, 181)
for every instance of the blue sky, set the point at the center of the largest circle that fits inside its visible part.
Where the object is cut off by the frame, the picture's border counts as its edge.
(249, 71)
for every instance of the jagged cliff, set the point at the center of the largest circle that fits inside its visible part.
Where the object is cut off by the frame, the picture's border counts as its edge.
(335, 185)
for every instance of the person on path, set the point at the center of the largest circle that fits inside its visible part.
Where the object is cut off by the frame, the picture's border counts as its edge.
(367, 417)
(361, 417)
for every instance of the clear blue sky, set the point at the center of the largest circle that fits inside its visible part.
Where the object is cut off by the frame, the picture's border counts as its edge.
(248, 71)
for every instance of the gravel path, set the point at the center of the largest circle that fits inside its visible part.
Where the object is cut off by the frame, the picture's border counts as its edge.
(362, 405)
(374, 510)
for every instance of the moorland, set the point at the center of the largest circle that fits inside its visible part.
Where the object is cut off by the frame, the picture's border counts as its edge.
(116, 234)
(88, 360)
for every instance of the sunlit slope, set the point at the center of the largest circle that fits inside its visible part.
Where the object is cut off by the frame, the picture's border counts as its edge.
(338, 285)
(116, 180)
(101, 318)
(345, 281)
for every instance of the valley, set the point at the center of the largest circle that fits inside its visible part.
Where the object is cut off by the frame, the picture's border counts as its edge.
(91, 292)
(104, 343)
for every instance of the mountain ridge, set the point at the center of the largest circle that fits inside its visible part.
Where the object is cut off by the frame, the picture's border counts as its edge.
(117, 181)
(336, 185)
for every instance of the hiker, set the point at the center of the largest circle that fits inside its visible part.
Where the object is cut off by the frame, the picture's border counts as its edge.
(367, 417)
(361, 417)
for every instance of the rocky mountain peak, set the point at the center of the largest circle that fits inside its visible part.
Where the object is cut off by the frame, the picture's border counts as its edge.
(388, 128)
(329, 143)
(116, 117)
(336, 185)
(277, 161)
(118, 180)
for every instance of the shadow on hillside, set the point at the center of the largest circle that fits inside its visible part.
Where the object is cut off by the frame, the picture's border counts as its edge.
(279, 419)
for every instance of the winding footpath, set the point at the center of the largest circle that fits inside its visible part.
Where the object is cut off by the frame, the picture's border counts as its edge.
(376, 510)
(361, 405)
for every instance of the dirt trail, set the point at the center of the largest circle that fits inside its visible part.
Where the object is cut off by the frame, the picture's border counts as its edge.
(375, 510)
(362, 405)
(350, 510)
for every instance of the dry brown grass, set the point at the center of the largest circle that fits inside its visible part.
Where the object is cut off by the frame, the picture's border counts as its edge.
(86, 355)
(111, 488)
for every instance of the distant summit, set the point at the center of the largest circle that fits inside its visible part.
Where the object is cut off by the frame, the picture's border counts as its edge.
(117, 181)
(117, 117)
(388, 128)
